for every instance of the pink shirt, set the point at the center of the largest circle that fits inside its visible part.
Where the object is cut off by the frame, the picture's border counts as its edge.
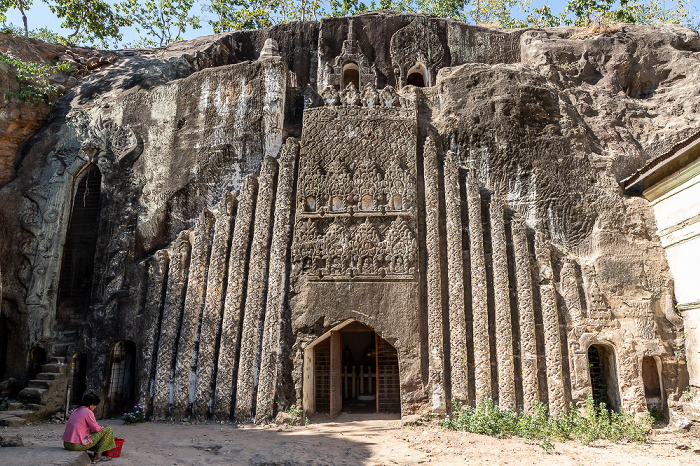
(80, 425)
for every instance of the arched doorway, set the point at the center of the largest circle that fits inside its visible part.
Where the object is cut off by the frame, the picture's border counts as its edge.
(603, 373)
(351, 74)
(351, 369)
(652, 384)
(79, 248)
(120, 384)
(417, 76)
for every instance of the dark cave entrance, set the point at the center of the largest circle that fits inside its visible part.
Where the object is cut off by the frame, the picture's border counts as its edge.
(603, 372)
(79, 250)
(354, 371)
(351, 74)
(120, 383)
(652, 384)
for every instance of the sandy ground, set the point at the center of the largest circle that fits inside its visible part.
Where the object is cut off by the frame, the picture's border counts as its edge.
(355, 440)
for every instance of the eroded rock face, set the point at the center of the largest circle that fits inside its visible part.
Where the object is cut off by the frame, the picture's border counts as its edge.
(474, 227)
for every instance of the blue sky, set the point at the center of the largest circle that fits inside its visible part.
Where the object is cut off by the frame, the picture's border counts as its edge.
(39, 15)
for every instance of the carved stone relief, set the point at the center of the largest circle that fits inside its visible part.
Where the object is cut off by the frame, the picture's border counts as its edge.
(416, 44)
(332, 73)
(356, 194)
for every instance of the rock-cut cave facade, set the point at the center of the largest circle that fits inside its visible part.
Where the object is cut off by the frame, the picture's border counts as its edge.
(379, 213)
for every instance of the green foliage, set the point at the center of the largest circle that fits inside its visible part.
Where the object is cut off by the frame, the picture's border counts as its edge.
(34, 79)
(21, 5)
(598, 423)
(296, 412)
(231, 15)
(90, 20)
(41, 33)
(4, 403)
(159, 22)
(688, 394)
(136, 416)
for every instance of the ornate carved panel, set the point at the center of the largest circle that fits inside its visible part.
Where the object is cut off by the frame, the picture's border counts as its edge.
(356, 194)
(333, 72)
(416, 44)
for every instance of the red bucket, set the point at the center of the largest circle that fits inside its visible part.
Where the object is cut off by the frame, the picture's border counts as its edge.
(116, 451)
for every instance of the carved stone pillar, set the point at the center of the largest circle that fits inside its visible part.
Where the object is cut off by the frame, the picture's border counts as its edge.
(550, 322)
(233, 304)
(482, 353)
(436, 364)
(455, 267)
(156, 272)
(569, 291)
(277, 281)
(501, 298)
(216, 285)
(257, 283)
(526, 311)
(174, 296)
(194, 300)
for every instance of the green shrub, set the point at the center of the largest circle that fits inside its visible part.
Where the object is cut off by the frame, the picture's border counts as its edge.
(34, 79)
(598, 423)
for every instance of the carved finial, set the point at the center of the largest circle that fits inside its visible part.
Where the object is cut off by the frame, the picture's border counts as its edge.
(269, 49)
(351, 31)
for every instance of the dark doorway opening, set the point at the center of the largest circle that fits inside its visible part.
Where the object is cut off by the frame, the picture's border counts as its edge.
(79, 250)
(79, 377)
(351, 74)
(652, 384)
(603, 372)
(356, 371)
(415, 79)
(120, 384)
(37, 358)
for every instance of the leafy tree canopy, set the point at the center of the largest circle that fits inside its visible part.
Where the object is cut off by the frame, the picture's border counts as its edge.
(159, 22)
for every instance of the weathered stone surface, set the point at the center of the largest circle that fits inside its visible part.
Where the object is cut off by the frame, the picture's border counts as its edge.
(501, 290)
(482, 354)
(213, 305)
(455, 264)
(254, 313)
(526, 313)
(277, 283)
(233, 304)
(436, 348)
(172, 314)
(545, 123)
(185, 362)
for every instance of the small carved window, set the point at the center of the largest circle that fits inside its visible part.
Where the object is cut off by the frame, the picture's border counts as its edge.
(367, 202)
(417, 76)
(337, 204)
(397, 202)
(351, 74)
(311, 204)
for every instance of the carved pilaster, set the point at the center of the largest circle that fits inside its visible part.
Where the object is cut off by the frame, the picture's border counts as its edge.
(501, 298)
(569, 291)
(257, 283)
(455, 266)
(526, 311)
(277, 282)
(233, 305)
(482, 353)
(194, 301)
(172, 308)
(156, 273)
(436, 364)
(550, 322)
(216, 284)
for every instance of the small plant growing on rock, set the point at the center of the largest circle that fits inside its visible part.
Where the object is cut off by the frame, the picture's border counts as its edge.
(136, 416)
(34, 79)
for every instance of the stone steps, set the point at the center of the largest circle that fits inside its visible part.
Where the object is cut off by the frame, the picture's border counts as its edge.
(45, 394)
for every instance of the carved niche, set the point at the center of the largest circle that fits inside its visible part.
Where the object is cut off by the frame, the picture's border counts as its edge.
(350, 54)
(356, 194)
(416, 44)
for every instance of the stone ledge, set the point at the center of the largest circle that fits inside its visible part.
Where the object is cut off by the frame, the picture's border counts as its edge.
(33, 455)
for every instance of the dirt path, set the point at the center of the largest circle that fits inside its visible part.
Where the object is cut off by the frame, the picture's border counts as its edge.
(355, 441)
